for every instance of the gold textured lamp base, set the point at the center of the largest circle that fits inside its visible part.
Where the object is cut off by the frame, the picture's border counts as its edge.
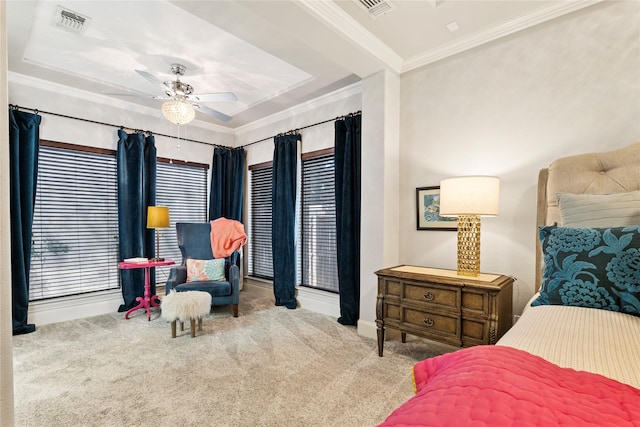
(468, 245)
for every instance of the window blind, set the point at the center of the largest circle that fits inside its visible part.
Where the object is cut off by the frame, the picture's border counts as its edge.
(183, 189)
(75, 227)
(260, 260)
(319, 263)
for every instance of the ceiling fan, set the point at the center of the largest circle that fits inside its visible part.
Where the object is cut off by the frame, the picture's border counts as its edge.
(180, 94)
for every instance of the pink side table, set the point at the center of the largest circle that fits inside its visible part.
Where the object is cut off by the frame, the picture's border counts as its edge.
(147, 301)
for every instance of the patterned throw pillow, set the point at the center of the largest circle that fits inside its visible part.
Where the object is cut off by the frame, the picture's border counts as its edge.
(200, 270)
(591, 267)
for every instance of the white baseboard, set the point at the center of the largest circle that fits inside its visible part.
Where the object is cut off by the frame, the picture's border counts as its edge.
(258, 288)
(322, 302)
(79, 306)
(326, 303)
(74, 307)
(367, 329)
(314, 300)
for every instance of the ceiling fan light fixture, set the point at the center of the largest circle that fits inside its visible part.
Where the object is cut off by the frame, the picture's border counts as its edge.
(178, 111)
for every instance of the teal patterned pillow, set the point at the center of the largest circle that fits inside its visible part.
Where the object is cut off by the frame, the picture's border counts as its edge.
(591, 267)
(205, 270)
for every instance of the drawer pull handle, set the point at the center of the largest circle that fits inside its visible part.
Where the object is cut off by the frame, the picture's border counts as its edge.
(428, 296)
(428, 321)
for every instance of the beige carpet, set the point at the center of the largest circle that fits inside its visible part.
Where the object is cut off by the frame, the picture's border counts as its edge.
(269, 367)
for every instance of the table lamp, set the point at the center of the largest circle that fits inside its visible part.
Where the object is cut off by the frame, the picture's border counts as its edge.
(158, 217)
(469, 198)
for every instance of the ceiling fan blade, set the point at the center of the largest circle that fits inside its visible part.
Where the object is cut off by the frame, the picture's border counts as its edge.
(151, 78)
(211, 112)
(134, 94)
(215, 97)
(119, 94)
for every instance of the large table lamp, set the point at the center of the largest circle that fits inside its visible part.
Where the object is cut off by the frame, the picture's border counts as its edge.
(158, 217)
(469, 198)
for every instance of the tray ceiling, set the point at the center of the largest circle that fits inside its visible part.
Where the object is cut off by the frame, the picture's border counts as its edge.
(272, 54)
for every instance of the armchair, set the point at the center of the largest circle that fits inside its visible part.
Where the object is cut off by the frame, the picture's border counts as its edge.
(195, 243)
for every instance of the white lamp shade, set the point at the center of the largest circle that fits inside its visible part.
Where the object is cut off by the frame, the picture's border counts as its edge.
(470, 195)
(178, 111)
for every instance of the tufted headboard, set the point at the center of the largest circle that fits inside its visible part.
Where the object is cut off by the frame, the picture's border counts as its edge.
(594, 173)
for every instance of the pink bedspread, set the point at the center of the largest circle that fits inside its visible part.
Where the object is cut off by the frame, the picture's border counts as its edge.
(504, 386)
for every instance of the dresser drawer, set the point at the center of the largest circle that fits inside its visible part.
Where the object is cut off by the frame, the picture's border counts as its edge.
(391, 287)
(475, 303)
(475, 332)
(431, 322)
(446, 297)
(392, 312)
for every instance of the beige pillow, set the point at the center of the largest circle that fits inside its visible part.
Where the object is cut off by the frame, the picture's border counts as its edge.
(599, 210)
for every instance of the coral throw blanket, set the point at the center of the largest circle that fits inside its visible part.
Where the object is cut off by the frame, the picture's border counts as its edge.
(504, 386)
(227, 235)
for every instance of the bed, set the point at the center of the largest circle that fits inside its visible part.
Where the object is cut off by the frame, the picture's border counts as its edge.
(573, 358)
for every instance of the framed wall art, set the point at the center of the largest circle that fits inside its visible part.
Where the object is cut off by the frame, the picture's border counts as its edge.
(428, 211)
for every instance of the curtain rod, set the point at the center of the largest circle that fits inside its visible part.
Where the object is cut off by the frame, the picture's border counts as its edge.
(35, 110)
(294, 131)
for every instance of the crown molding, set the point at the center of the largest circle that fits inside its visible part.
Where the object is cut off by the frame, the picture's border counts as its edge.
(337, 19)
(60, 89)
(342, 23)
(337, 95)
(510, 27)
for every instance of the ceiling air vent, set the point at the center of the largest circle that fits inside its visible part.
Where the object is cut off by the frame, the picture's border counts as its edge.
(71, 21)
(377, 8)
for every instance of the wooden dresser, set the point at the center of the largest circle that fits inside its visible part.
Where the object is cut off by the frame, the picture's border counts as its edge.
(443, 306)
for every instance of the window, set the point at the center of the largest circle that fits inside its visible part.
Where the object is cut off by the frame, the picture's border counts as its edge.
(182, 187)
(260, 261)
(317, 263)
(318, 231)
(75, 227)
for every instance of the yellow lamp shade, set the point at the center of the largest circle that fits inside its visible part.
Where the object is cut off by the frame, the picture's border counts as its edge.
(158, 217)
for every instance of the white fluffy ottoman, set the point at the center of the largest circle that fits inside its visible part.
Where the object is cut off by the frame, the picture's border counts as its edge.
(183, 306)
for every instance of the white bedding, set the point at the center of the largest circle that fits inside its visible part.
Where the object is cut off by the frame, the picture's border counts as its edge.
(587, 339)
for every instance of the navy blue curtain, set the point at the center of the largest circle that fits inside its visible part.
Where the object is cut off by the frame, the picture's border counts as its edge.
(237, 184)
(227, 183)
(347, 170)
(136, 163)
(283, 212)
(24, 143)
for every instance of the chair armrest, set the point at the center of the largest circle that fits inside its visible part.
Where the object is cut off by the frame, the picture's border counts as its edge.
(234, 280)
(177, 276)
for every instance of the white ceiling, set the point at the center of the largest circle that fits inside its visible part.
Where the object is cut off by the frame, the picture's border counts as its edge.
(271, 54)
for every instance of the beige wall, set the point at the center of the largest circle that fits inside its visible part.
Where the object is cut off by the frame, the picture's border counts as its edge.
(379, 244)
(509, 108)
(35, 93)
